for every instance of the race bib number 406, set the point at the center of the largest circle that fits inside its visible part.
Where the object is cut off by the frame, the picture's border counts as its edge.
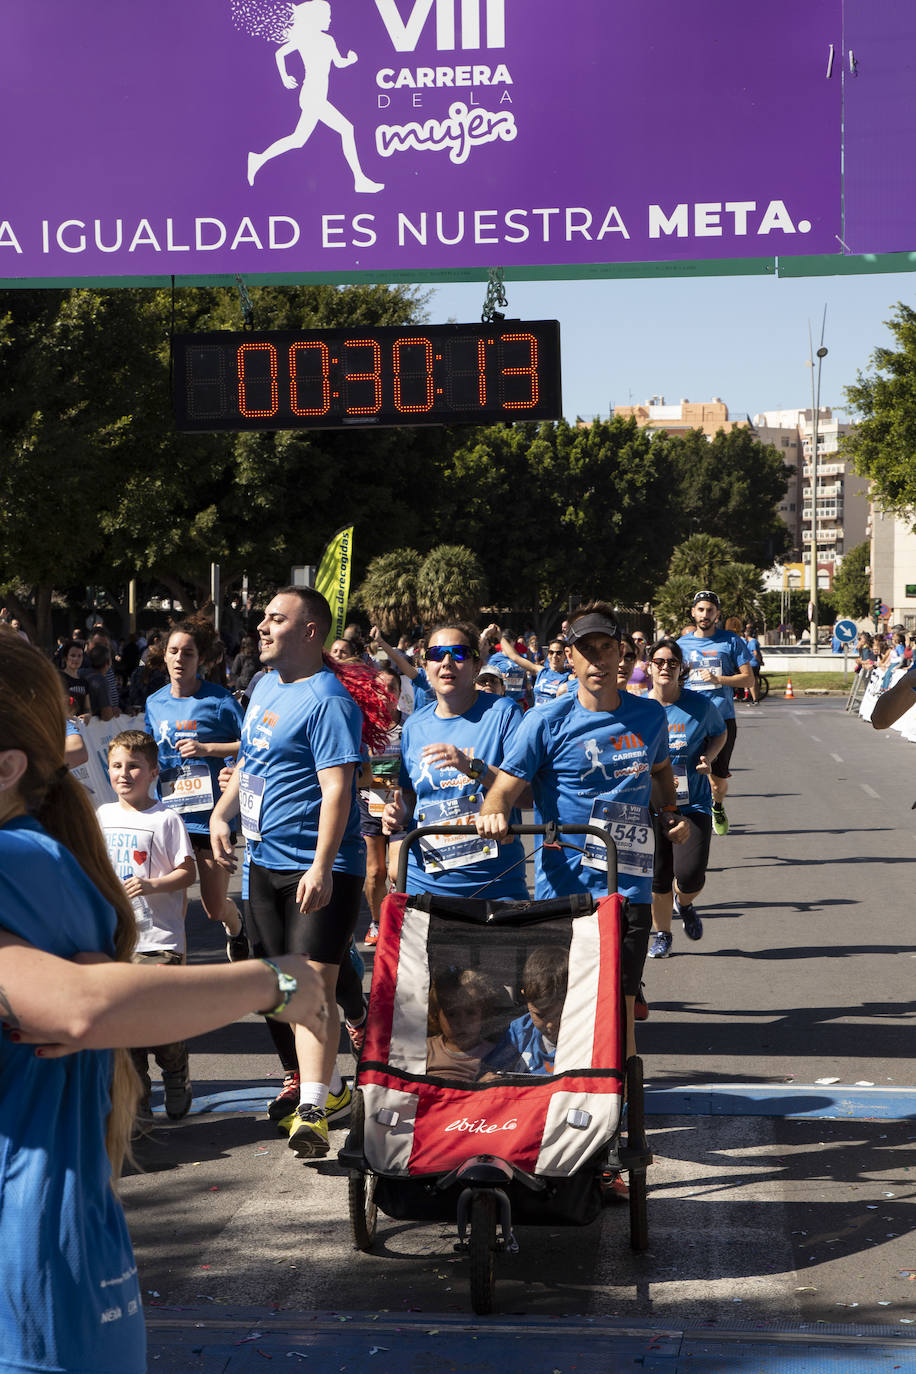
(251, 798)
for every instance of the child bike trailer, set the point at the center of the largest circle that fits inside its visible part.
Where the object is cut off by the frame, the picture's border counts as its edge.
(491, 1082)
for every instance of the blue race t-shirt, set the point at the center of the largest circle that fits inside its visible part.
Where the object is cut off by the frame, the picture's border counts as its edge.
(548, 682)
(722, 653)
(292, 731)
(191, 786)
(453, 865)
(69, 1296)
(753, 648)
(692, 720)
(593, 768)
(522, 1049)
(514, 677)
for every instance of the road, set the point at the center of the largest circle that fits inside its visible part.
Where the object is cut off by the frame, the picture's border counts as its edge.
(781, 1204)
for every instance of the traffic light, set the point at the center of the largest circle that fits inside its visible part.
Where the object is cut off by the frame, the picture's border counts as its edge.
(876, 609)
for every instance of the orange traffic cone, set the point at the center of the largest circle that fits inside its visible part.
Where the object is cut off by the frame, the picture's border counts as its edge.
(789, 694)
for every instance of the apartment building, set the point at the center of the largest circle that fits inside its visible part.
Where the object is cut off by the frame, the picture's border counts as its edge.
(842, 505)
(709, 416)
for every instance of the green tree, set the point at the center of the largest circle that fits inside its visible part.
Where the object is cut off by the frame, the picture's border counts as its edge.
(558, 511)
(731, 487)
(702, 557)
(851, 586)
(883, 444)
(740, 590)
(707, 563)
(388, 592)
(450, 582)
(96, 486)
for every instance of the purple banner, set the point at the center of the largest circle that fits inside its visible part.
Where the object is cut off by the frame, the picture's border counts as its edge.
(414, 136)
(879, 79)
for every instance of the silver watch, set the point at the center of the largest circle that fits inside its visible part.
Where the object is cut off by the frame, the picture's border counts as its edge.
(286, 985)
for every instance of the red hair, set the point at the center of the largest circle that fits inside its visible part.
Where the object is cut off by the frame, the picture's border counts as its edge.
(373, 700)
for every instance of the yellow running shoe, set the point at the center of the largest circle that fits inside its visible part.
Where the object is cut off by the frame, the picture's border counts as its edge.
(309, 1133)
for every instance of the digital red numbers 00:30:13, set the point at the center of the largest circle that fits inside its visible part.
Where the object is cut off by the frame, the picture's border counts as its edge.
(412, 374)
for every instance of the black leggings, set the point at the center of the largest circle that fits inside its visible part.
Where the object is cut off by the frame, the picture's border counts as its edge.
(686, 862)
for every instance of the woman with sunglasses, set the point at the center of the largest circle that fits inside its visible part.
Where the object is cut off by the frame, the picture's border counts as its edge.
(450, 754)
(696, 733)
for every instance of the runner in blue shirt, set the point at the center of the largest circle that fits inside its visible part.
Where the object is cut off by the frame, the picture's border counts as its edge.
(696, 733)
(756, 657)
(296, 788)
(196, 725)
(597, 756)
(450, 754)
(513, 668)
(553, 676)
(718, 662)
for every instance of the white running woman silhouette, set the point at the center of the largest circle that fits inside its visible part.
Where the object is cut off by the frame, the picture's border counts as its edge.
(593, 754)
(307, 35)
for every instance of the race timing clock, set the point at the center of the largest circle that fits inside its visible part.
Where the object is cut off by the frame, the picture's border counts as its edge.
(441, 374)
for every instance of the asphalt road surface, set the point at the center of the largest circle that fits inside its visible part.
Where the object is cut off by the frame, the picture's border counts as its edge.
(769, 1203)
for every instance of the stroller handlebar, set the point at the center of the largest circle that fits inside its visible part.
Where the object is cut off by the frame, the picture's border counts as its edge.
(551, 833)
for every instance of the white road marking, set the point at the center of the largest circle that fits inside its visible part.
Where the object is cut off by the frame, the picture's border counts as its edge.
(870, 791)
(836, 757)
(816, 740)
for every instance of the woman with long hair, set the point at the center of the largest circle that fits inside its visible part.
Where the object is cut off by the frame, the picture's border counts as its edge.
(69, 1295)
(197, 726)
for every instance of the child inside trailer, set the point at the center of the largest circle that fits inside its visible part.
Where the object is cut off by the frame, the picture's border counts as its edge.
(530, 1042)
(463, 1004)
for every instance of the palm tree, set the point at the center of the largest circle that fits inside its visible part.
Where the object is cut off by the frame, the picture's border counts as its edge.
(451, 582)
(388, 592)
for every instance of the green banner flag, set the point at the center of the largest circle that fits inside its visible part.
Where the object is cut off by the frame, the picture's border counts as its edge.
(333, 580)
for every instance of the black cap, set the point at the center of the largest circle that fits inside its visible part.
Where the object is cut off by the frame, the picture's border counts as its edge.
(705, 596)
(592, 624)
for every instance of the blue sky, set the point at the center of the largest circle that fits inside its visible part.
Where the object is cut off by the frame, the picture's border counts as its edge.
(744, 339)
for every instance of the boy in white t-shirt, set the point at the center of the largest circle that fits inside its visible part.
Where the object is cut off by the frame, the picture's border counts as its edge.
(150, 851)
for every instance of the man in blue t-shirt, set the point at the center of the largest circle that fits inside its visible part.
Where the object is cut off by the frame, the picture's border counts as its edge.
(595, 756)
(295, 787)
(718, 662)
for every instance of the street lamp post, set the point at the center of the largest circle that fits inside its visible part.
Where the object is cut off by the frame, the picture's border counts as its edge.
(815, 416)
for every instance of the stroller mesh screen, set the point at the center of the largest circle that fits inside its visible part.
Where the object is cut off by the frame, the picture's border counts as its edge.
(497, 998)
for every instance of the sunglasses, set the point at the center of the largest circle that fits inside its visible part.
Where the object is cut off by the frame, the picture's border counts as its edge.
(458, 653)
(669, 663)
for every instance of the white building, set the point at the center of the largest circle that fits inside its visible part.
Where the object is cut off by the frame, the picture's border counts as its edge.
(842, 496)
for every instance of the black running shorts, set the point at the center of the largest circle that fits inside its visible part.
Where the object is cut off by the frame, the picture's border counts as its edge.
(279, 927)
(687, 862)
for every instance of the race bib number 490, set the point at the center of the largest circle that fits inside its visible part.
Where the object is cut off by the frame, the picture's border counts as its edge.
(630, 827)
(189, 788)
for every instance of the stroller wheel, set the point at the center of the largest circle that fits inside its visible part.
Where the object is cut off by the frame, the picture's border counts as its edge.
(363, 1211)
(361, 1184)
(482, 1248)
